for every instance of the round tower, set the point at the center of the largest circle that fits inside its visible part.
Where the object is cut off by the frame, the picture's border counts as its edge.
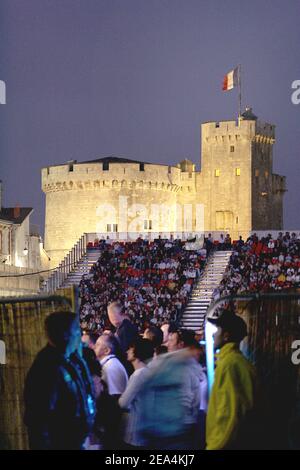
(109, 195)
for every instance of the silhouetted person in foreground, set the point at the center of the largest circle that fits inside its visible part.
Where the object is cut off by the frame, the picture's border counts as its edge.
(233, 418)
(59, 397)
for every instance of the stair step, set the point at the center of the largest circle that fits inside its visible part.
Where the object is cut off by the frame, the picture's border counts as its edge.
(196, 318)
(195, 311)
(198, 306)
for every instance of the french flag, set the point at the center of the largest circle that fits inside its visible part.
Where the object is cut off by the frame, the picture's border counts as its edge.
(231, 79)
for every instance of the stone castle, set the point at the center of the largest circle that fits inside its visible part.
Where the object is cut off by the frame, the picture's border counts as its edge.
(236, 190)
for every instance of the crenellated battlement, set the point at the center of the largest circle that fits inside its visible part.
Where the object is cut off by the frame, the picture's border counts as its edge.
(89, 184)
(243, 128)
(118, 177)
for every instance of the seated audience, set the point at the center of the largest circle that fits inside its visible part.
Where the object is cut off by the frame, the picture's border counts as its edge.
(265, 265)
(151, 280)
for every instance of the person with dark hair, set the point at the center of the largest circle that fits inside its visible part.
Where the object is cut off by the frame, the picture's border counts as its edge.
(231, 409)
(197, 352)
(184, 339)
(89, 340)
(139, 353)
(161, 350)
(179, 339)
(58, 394)
(155, 335)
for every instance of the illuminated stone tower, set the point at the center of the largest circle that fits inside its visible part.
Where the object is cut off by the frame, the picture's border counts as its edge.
(236, 184)
(236, 188)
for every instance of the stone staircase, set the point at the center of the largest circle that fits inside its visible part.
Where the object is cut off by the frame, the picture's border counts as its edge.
(194, 315)
(83, 267)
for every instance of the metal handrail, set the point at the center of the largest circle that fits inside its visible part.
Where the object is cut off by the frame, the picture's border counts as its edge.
(67, 265)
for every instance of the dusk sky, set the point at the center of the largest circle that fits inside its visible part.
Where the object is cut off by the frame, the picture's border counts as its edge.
(135, 78)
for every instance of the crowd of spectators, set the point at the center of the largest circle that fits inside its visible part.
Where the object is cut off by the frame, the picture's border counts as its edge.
(139, 380)
(153, 280)
(264, 265)
(130, 390)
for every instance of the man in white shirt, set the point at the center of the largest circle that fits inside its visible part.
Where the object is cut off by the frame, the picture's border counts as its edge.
(138, 354)
(113, 372)
(115, 377)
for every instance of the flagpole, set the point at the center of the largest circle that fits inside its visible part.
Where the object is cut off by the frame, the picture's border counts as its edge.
(240, 89)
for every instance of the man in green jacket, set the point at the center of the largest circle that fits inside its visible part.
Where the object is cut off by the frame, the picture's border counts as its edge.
(232, 415)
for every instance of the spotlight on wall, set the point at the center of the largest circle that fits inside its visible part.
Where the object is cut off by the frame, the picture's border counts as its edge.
(25, 251)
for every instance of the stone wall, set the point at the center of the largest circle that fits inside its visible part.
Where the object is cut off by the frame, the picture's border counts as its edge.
(88, 198)
(235, 192)
(13, 283)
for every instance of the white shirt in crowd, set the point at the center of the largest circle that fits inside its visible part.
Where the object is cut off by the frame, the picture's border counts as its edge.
(114, 375)
(132, 401)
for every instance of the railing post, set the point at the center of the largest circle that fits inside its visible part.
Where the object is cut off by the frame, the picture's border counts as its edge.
(68, 263)
(75, 253)
(59, 275)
